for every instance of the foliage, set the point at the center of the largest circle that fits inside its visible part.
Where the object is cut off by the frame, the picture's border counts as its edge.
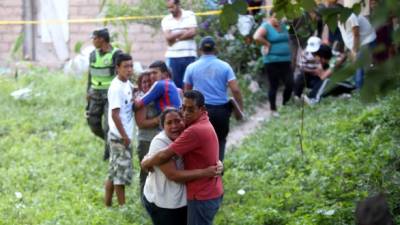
(16, 49)
(145, 12)
(51, 158)
(230, 13)
(351, 151)
(78, 46)
(155, 9)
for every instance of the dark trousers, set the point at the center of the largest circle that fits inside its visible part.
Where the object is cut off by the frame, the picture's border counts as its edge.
(279, 72)
(142, 150)
(97, 116)
(162, 216)
(306, 80)
(219, 117)
(178, 67)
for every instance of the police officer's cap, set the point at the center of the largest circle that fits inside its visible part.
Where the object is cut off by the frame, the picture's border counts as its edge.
(207, 43)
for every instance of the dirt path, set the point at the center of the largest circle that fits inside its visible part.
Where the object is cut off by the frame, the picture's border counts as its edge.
(250, 125)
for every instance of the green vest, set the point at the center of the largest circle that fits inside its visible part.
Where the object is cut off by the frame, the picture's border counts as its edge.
(102, 71)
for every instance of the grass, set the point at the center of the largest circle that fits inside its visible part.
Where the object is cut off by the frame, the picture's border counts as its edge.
(50, 157)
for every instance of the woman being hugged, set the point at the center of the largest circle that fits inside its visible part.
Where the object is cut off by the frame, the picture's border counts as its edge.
(147, 120)
(274, 37)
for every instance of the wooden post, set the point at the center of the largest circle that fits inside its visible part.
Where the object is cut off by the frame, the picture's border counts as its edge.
(29, 43)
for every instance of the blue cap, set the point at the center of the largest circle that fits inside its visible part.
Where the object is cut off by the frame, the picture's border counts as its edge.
(207, 43)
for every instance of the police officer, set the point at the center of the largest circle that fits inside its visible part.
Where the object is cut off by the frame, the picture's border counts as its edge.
(213, 77)
(101, 72)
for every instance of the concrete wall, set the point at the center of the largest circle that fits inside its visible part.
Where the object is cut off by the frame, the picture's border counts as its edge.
(9, 10)
(148, 44)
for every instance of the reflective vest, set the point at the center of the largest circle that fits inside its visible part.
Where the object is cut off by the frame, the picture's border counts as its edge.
(102, 71)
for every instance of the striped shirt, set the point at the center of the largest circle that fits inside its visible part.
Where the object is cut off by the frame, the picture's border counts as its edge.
(307, 61)
(164, 93)
(182, 48)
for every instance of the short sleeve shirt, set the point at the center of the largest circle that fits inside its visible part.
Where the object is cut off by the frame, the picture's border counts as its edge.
(367, 32)
(158, 189)
(184, 48)
(120, 96)
(210, 76)
(198, 145)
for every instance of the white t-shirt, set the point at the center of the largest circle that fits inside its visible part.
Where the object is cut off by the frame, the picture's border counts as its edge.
(120, 96)
(158, 189)
(367, 32)
(182, 48)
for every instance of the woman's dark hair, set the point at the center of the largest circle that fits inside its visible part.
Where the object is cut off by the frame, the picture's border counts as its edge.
(122, 57)
(140, 78)
(166, 112)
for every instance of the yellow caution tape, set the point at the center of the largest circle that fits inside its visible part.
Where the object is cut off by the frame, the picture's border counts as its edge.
(109, 19)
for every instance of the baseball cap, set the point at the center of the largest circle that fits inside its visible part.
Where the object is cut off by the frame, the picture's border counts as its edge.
(313, 44)
(207, 43)
(102, 33)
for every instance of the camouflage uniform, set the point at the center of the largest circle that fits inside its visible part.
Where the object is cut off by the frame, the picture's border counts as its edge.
(97, 107)
(101, 73)
(120, 167)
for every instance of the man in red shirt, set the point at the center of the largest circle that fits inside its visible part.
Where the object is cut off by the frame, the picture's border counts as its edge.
(198, 145)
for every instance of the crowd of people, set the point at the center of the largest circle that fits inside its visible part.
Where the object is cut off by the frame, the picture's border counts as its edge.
(182, 108)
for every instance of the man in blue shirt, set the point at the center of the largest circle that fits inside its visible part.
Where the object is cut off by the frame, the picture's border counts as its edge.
(212, 77)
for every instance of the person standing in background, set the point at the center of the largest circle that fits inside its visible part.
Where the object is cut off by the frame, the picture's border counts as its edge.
(101, 73)
(179, 29)
(212, 77)
(357, 33)
(274, 37)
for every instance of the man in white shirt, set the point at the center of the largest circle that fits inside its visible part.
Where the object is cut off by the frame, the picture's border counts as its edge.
(120, 121)
(356, 33)
(179, 29)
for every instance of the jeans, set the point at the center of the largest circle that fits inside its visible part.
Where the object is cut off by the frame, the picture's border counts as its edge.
(178, 67)
(97, 116)
(202, 212)
(219, 117)
(162, 216)
(304, 80)
(359, 76)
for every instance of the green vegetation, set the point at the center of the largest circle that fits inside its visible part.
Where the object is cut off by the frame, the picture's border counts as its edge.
(51, 170)
(351, 150)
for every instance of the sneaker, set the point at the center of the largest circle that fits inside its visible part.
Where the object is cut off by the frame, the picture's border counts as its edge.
(309, 101)
(345, 96)
(274, 113)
